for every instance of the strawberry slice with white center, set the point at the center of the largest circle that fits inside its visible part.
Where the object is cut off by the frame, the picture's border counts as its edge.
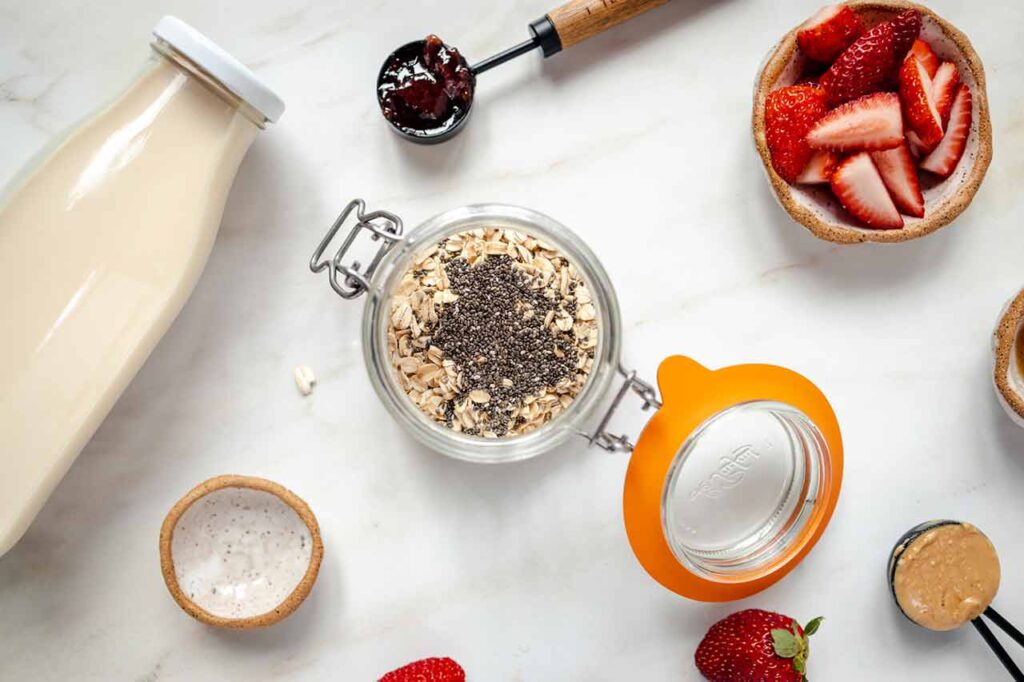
(944, 87)
(918, 105)
(860, 189)
(918, 149)
(831, 30)
(899, 173)
(943, 160)
(924, 53)
(872, 122)
(819, 168)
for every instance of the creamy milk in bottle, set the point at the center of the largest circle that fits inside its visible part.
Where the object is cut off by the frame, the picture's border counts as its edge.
(100, 246)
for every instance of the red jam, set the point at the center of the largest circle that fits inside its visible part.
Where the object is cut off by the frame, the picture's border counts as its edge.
(425, 87)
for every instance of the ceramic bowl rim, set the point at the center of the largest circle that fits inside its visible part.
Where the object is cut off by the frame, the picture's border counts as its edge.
(289, 603)
(1003, 348)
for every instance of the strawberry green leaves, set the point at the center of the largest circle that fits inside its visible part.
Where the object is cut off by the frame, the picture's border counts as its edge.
(793, 645)
(786, 644)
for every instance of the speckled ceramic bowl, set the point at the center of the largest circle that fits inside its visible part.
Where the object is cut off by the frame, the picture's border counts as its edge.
(1007, 374)
(240, 552)
(815, 207)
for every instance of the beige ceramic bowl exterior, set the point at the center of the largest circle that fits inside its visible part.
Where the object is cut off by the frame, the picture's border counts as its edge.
(291, 602)
(815, 207)
(1009, 381)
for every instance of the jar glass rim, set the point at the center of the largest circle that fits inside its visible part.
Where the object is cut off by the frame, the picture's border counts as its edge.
(765, 536)
(473, 448)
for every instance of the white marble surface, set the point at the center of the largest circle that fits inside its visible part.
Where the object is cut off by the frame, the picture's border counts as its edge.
(640, 141)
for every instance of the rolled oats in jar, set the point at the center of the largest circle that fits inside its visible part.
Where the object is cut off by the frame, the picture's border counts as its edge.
(492, 332)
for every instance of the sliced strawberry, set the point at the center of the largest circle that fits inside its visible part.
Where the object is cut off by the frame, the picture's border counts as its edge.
(862, 68)
(788, 114)
(899, 173)
(831, 30)
(918, 105)
(906, 27)
(918, 149)
(871, 122)
(862, 192)
(819, 168)
(943, 160)
(924, 53)
(944, 87)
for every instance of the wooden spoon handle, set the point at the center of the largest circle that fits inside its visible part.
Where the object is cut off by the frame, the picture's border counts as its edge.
(577, 20)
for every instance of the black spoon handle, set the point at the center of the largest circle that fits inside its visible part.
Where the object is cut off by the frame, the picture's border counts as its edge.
(998, 649)
(508, 55)
(1005, 625)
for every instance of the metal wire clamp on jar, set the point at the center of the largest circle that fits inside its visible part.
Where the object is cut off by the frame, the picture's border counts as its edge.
(730, 484)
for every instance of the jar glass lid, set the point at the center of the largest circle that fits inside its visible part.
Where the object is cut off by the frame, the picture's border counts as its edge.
(741, 486)
(733, 480)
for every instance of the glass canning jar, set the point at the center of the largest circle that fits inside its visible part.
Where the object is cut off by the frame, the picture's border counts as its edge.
(733, 479)
(437, 436)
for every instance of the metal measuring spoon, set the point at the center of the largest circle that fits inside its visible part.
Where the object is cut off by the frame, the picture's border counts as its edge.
(982, 606)
(425, 88)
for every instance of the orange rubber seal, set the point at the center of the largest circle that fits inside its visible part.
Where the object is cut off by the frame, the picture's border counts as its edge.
(692, 394)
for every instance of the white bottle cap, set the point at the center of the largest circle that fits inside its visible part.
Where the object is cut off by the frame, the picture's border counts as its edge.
(212, 59)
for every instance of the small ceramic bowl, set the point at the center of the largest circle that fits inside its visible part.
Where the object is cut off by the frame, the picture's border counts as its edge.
(1008, 374)
(240, 552)
(815, 207)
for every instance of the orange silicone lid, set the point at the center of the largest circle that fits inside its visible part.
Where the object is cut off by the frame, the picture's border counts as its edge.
(691, 395)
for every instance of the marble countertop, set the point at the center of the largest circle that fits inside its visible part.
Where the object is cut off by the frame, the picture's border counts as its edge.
(639, 140)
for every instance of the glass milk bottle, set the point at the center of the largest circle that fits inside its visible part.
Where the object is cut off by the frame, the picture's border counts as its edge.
(101, 244)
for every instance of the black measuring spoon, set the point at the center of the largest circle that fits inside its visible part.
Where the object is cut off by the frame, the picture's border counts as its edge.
(905, 542)
(425, 88)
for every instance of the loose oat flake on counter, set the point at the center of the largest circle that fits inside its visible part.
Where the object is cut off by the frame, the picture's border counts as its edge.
(492, 332)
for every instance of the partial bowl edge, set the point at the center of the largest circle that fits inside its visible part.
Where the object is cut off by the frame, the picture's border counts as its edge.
(1004, 340)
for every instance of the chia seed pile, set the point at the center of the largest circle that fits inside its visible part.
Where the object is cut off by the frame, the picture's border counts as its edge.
(492, 332)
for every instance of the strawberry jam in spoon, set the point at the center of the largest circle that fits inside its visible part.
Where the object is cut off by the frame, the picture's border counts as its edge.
(425, 87)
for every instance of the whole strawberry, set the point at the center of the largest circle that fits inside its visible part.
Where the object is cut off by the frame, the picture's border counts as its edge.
(755, 646)
(789, 114)
(428, 670)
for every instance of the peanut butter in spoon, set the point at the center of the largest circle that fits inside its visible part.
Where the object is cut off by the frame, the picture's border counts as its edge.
(946, 576)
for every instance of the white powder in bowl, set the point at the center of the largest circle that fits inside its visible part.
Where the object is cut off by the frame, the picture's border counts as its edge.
(240, 552)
